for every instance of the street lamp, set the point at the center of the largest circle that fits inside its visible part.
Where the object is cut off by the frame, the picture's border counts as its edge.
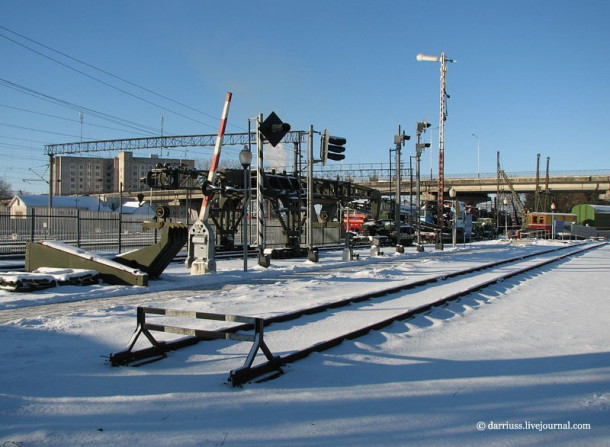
(245, 158)
(441, 137)
(478, 155)
(506, 217)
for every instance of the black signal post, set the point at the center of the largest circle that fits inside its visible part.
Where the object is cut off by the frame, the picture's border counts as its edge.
(273, 129)
(419, 148)
(399, 141)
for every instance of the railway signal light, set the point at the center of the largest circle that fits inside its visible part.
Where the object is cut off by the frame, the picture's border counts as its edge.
(332, 147)
(273, 129)
(401, 138)
(419, 147)
(423, 126)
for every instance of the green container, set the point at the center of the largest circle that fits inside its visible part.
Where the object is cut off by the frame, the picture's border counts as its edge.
(597, 216)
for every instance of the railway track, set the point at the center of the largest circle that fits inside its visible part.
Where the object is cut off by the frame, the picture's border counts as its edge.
(292, 335)
(16, 263)
(383, 313)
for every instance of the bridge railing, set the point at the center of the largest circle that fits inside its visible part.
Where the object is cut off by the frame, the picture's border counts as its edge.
(367, 172)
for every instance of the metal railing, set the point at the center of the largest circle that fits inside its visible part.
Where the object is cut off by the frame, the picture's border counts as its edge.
(93, 231)
(367, 172)
(107, 232)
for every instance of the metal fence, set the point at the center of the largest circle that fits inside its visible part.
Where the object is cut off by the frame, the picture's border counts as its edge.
(107, 232)
(92, 231)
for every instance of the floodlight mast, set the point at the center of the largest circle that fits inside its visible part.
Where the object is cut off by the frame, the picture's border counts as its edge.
(441, 138)
(423, 57)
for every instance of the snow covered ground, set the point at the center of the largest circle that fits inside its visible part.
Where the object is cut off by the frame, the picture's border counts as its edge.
(515, 364)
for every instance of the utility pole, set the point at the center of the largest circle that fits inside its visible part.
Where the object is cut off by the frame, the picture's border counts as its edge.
(498, 192)
(51, 180)
(441, 139)
(81, 114)
(546, 184)
(441, 152)
(397, 222)
(312, 254)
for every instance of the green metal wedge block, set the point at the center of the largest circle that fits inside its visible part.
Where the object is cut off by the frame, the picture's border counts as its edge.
(58, 254)
(154, 259)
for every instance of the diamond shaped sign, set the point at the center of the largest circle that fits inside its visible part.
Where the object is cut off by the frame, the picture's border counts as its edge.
(273, 129)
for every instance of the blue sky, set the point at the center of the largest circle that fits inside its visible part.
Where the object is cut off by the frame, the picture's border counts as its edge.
(532, 76)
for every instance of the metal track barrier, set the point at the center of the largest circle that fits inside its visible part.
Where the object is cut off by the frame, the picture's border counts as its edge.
(237, 376)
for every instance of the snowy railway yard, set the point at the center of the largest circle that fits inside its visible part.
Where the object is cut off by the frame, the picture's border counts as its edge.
(522, 360)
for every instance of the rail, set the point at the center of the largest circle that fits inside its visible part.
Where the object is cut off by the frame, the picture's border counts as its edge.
(292, 357)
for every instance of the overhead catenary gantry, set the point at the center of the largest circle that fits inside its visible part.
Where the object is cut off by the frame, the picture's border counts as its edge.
(129, 144)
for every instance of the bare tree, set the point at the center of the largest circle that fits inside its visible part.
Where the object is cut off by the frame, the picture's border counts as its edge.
(6, 191)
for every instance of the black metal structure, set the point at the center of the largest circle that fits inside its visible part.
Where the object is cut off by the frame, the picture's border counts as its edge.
(130, 144)
(286, 194)
(158, 349)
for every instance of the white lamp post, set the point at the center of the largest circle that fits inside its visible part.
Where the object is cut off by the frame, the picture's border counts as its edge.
(245, 158)
(478, 155)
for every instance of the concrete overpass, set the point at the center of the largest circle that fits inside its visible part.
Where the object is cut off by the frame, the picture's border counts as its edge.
(473, 188)
(470, 189)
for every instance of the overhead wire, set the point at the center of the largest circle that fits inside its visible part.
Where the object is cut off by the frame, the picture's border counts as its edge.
(140, 128)
(111, 75)
(73, 106)
(64, 118)
(37, 130)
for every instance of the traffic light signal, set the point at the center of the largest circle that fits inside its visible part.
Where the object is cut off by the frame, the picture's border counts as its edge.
(332, 147)
(273, 129)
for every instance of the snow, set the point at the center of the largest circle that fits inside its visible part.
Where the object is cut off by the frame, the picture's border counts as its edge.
(75, 202)
(530, 351)
(65, 274)
(61, 246)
